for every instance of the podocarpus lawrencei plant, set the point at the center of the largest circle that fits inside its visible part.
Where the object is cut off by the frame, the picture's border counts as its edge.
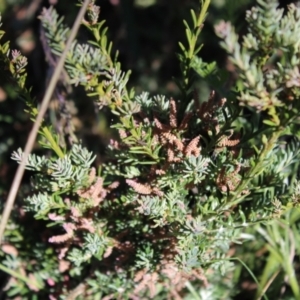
(184, 179)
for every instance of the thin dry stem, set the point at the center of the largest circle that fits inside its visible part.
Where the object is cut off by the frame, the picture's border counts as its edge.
(32, 136)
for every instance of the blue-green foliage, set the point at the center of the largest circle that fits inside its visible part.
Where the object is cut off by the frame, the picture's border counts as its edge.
(184, 180)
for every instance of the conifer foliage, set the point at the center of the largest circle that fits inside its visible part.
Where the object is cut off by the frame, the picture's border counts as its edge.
(184, 178)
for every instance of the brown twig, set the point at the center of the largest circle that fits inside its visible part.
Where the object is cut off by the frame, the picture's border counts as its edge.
(32, 136)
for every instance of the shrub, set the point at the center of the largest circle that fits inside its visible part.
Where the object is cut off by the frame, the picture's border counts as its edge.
(183, 180)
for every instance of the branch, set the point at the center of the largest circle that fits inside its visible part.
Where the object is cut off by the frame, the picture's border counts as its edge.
(32, 136)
